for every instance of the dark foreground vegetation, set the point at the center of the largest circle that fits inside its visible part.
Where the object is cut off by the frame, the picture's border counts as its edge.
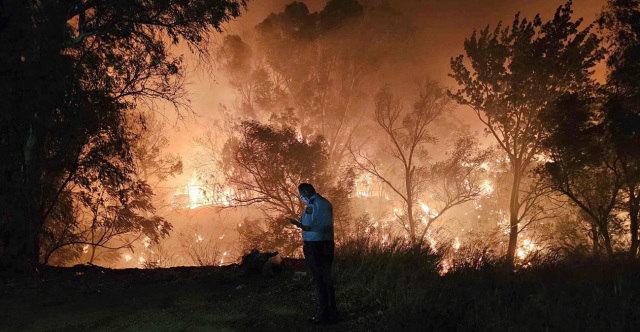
(392, 288)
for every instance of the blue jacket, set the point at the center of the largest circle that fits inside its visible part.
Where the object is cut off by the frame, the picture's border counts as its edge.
(319, 216)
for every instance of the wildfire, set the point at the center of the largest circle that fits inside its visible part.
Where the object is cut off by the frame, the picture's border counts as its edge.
(445, 266)
(526, 249)
(197, 194)
(363, 186)
(428, 211)
(486, 187)
(146, 241)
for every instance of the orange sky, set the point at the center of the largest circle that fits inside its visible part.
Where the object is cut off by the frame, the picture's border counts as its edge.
(442, 27)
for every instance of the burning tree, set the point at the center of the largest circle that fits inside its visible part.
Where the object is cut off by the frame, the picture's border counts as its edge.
(451, 182)
(513, 74)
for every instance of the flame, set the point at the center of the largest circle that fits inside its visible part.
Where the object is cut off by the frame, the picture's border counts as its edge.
(127, 257)
(486, 187)
(456, 245)
(364, 185)
(431, 213)
(445, 266)
(146, 241)
(197, 194)
(528, 246)
(425, 208)
(521, 254)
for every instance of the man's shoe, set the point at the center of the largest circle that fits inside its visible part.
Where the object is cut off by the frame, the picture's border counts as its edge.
(319, 321)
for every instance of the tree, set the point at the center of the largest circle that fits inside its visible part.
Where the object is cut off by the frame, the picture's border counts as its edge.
(265, 165)
(77, 69)
(513, 74)
(620, 23)
(582, 164)
(312, 71)
(453, 181)
(116, 207)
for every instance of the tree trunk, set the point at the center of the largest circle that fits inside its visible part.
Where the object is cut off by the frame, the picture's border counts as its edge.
(412, 224)
(513, 238)
(514, 208)
(606, 238)
(595, 238)
(33, 196)
(410, 199)
(93, 254)
(634, 209)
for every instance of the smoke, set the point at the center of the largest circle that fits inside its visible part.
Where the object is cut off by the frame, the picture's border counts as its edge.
(401, 42)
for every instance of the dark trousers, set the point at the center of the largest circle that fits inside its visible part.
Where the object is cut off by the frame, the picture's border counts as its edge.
(319, 257)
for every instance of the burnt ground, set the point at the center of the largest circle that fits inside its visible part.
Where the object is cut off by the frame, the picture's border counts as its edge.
(174, 299)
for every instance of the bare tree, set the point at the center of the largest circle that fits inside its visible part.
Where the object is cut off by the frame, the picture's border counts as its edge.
(453, 181)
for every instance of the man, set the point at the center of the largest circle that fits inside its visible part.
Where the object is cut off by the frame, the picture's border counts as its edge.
(317, 233)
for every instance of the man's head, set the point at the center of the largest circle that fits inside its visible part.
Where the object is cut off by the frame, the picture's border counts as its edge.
(306, 190)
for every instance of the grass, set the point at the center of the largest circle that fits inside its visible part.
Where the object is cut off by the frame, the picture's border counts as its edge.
(403, 282)
(379, 288)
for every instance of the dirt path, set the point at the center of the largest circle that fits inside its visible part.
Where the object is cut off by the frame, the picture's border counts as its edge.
(178, 299)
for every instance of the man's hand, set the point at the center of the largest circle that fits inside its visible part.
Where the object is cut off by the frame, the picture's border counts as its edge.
(298, 224)
(294, 222)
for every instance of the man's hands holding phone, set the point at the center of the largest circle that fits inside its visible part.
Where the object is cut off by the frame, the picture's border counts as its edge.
(298, 224)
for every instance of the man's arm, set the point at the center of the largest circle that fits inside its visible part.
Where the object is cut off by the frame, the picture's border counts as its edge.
(299, 224)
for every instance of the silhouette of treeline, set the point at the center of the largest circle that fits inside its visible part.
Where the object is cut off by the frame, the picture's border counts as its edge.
(77, 77)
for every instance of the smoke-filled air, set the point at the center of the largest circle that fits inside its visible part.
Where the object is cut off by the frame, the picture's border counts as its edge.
(377, 165)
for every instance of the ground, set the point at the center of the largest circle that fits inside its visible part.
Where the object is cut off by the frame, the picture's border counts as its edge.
(176, 299)
(391, 289)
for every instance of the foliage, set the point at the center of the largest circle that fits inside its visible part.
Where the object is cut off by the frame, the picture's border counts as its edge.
(582, 165)
(621, 109)
(400, 286)
(513, 74)
(115, 208)
(592, 137)
(313, 71)
(265, 165)
(77, 69)
(201, 251)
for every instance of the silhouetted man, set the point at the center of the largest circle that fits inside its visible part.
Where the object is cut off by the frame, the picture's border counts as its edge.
(317, 233)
